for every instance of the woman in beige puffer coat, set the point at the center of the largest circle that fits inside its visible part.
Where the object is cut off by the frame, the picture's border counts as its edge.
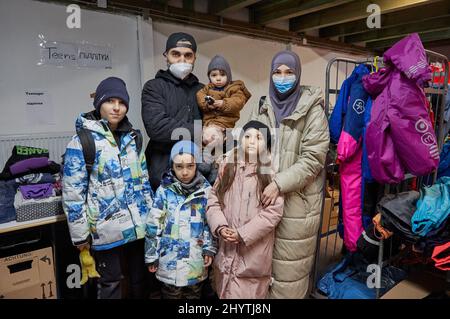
(295, 114)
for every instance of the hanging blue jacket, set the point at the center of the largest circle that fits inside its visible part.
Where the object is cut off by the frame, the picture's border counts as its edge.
(355, 120)
(349, 154)
(447, 114)
(336, 120)
(444, 164)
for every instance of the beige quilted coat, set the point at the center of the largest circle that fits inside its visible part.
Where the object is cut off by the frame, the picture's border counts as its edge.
(300, 152)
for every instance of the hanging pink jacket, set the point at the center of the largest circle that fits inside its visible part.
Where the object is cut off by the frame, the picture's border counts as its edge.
(400, 134)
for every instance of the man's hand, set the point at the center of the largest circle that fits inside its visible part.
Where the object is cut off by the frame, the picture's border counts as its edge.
(270, 194)
(213, 134)
(207, 260)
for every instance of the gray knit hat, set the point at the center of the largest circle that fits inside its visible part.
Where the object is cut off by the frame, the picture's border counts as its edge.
(219, 63)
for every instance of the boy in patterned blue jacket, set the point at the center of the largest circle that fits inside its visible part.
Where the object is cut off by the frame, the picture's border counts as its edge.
(179, 244)
(107, 207)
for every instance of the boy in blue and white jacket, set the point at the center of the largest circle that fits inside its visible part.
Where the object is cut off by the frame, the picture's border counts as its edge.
(106, 209)
(179, 244)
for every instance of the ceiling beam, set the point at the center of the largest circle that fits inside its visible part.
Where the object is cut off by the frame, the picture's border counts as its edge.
(213, 22)
(188, 5)
(266, 13)
(220, 7)
(417, 14)
(438, 24)
(424, 36)
(350, 12)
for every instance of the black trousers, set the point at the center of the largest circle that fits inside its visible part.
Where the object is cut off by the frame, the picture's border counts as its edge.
(187, 292)
(115, 264)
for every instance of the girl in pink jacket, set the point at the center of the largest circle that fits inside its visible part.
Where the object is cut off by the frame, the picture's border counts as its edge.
(244, 225)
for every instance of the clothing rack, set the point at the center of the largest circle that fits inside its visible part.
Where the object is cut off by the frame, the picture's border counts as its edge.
(329, 245)
(436, 96)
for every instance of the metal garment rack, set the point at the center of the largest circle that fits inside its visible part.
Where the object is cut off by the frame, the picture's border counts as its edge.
(436, 96)
(329, 245)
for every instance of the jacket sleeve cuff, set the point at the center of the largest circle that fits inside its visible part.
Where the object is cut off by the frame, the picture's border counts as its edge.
(242, 238)
(277, 181)
(207, 252)
(82, 242)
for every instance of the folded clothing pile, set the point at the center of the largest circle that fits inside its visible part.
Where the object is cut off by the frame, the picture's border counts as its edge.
(352, 278)
(29, 180)
(26, 160)
(397, 211)
(441, 255)
(30, 209)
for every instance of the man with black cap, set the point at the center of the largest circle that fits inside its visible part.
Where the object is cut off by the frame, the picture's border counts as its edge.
(169, 102)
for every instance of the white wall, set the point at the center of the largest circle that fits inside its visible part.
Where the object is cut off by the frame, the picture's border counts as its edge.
(136, 56)
(22, 21)
(249, 58)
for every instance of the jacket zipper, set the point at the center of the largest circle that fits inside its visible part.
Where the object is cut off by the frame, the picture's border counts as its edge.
(248, 204)
(121, 169)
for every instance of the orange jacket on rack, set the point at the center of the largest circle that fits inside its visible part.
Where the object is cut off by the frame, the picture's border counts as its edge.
(234, 96)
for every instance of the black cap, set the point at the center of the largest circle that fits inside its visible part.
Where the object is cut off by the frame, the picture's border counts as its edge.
(264, 129)
(181, 39)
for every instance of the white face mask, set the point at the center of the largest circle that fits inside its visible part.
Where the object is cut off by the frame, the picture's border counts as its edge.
(181, 70)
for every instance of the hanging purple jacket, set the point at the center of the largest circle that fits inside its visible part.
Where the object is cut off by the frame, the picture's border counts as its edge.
(400, 135)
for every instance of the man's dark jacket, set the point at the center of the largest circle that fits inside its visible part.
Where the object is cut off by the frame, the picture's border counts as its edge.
(167, 103)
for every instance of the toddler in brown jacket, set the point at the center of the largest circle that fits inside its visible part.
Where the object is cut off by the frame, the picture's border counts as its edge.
(221, 100)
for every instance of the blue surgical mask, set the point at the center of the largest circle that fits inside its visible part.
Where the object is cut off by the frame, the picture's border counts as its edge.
(283, 83)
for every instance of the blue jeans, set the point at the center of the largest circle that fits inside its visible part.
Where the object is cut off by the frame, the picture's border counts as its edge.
(7, 193)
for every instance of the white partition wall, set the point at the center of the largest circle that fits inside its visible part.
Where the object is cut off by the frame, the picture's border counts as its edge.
(68, 88)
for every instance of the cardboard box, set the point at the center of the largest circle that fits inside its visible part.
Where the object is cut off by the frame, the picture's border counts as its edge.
(328, 210)
(29, 275)
(416, 286)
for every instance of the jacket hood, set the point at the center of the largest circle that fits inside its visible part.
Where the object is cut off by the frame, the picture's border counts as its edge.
(409, 57)
(92, 122)
(220, 63)
(170, 182)
(190, 80)
(238, 84)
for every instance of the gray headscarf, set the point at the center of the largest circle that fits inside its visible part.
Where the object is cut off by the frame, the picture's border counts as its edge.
(284, 103)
